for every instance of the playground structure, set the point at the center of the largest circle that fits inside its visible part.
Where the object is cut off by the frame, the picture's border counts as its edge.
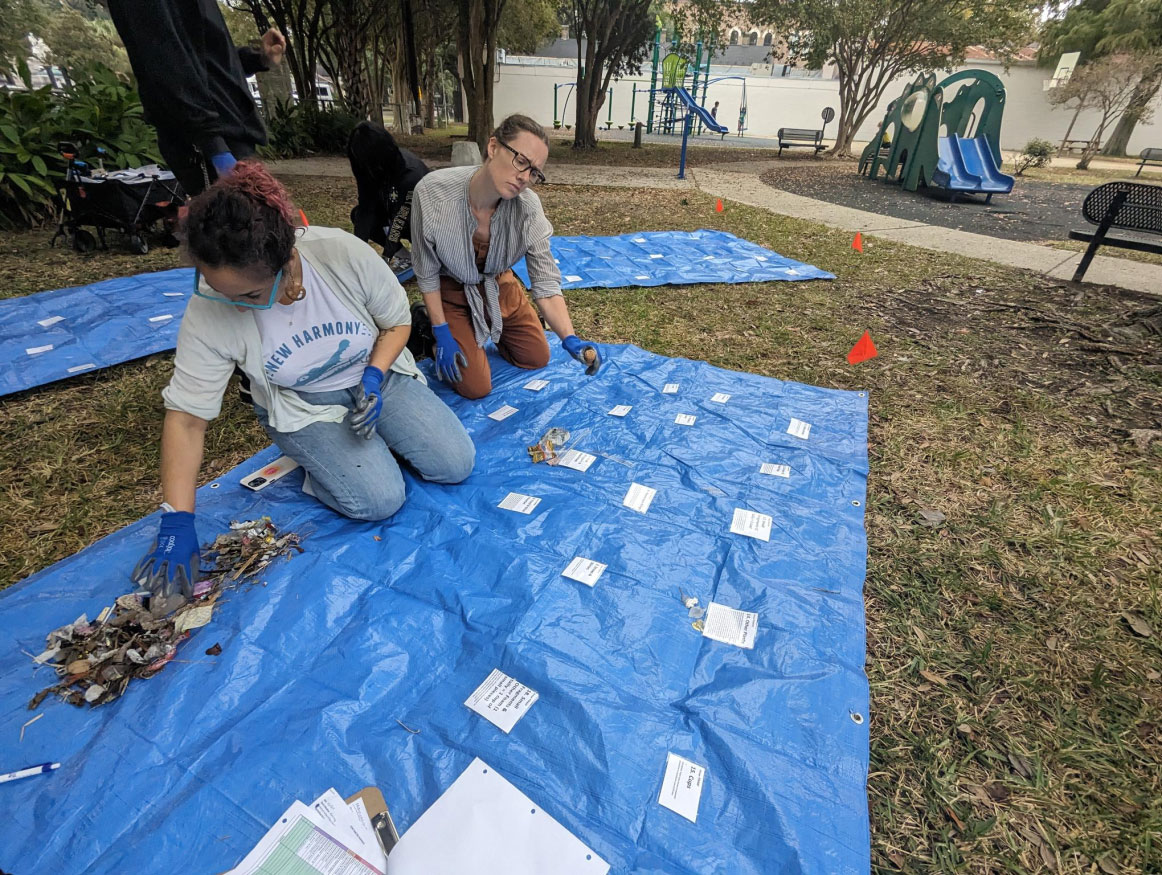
(943, 136)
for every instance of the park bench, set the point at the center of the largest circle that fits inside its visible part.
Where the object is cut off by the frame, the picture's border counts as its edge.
(789, 138)
(1153, 157)
(1129, 206)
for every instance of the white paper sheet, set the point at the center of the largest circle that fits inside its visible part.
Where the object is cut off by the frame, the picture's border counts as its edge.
(685, 419)
(572, 279)
(362, 824)
(639, 497)
(50, 321)
(751, 524)
(342, 820)
(310, 843)
(682, 786)
(775, 470)
(502, 700)
(730, 625)
(621, 410)
(586, 571)
(174, 294)
(520, 503)
(536, 385)
(576, 460)
(163, 318)
(37, 350)
(670, 389)
(719, 397)
(798, 428)
(76, 369)
(502, 413)
(484, 825)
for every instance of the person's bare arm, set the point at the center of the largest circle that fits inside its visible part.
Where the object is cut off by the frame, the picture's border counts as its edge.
(183, 438)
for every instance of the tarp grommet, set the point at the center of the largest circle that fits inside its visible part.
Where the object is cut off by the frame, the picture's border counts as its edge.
(856, 718)
(855, 502)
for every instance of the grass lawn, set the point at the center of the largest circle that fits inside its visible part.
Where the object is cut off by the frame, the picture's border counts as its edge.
(1016, 718)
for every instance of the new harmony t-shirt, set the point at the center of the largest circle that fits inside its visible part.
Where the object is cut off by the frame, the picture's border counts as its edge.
(315, 344)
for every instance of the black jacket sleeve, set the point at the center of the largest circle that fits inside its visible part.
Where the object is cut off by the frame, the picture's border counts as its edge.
(253, 60)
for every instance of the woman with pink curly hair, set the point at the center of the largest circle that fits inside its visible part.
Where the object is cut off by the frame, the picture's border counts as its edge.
(319, 324)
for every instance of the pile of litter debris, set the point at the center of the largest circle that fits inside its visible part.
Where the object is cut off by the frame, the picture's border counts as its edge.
(138, 635)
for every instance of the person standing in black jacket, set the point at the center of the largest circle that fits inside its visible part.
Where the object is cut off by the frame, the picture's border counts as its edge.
(192, 82)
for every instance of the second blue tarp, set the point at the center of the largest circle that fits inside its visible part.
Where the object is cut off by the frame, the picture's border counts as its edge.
(54, 335)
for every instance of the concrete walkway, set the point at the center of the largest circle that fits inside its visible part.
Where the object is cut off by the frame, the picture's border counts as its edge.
(740, 182)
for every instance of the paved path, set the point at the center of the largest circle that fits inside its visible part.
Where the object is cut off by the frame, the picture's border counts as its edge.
(741, 183)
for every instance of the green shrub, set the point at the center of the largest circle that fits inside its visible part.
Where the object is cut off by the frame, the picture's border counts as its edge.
(99, 112)
(1037, 153)
(297, 130)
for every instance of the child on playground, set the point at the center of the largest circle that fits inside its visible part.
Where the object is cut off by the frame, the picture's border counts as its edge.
(317, 321)
(470, 225)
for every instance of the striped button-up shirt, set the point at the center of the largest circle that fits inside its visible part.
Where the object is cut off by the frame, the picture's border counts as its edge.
(442, 228)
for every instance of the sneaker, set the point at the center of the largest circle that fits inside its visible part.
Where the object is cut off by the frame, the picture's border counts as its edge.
(421, 342)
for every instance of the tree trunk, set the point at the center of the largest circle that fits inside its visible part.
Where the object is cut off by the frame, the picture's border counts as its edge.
(476, 41)
(1144, 93)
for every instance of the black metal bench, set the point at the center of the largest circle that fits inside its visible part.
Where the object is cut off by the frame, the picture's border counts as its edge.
(789, 138)
(1130, 206)
(1153, 157)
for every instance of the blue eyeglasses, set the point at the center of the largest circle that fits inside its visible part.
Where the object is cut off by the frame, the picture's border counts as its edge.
(204, 290)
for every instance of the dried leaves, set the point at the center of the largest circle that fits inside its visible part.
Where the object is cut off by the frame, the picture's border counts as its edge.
(137, 636)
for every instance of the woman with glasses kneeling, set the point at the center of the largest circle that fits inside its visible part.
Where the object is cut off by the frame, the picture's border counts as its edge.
(319, 324)
(470, 225)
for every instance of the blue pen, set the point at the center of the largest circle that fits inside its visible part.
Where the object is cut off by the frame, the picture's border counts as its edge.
(29, 772)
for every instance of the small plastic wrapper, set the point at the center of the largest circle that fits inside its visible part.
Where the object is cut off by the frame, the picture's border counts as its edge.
(549, 446)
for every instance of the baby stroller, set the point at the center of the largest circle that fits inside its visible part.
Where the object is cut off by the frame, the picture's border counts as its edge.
(133, 201)
(385, 175)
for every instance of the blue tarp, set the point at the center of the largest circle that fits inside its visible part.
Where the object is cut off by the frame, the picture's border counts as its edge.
(382, 624)
(659, 258)
(123, 319)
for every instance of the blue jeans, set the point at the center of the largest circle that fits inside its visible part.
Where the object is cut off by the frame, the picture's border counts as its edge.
(360, 478)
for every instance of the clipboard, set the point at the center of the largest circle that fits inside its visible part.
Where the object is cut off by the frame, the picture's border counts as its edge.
(381, 820)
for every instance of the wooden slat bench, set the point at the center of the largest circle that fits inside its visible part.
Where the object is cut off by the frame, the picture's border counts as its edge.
(789, 138)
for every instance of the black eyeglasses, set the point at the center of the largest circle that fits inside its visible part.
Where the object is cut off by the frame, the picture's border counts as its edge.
(522, 163)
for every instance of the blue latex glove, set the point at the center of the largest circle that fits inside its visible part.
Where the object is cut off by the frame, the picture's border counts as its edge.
(366, 413)
(173, 566)
(449, 359)
(577, 347)
(223, 163)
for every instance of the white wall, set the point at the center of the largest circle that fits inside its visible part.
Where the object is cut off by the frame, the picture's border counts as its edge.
(773, 103)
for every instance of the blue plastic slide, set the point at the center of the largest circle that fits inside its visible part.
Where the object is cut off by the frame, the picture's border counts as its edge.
(349, 665)
(969, 165)
(701, 112)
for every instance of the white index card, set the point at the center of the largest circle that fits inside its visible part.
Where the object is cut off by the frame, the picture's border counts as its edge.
(576, 460)
(730, 626)
(682, 786)
(775, 470)
(572, 279)
(751, 524)
(502, 413)
(174, 294)
(502, 700)
(163, 318)
(583, 570)
(519, 503)
(639, 497)
(644, 276)
(656, 255)
(621, 410)
(536, 385)
(670, 389)
(37, 350)
(50, 321)
(639, 239)
(685, 419)
(76, 369)
(720, 397)
(798, 428)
